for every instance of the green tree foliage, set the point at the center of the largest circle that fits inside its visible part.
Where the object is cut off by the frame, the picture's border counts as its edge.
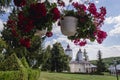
(4, 4)
(2, 48)
(47, 59)
(59, 61)
(85, 55)
(36, 52)
(100, 64)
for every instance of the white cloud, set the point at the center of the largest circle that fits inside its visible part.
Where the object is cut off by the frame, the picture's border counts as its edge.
(115, 31)
(111, 20)
(96, 1)
(115, 21)
(92, 50)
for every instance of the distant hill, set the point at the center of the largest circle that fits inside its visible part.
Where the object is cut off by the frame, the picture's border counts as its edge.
(107, 61)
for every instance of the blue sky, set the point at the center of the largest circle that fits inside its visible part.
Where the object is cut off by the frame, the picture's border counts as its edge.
(110, 46)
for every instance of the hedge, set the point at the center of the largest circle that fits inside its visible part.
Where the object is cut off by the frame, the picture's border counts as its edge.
(20, 75)
(33, 74)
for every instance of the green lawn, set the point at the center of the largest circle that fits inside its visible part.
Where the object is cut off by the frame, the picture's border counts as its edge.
(63, 76)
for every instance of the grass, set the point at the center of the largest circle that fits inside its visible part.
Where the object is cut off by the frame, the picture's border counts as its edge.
(65, 76)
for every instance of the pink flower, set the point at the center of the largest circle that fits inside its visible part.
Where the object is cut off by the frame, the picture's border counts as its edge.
(75, 4)
(92, 8)
(20, 3)
(99, 40)
(101, 34)
(103, 11)
(49, 34)
(56, 13)
(82, 43)
(82, 7)
(76, 41)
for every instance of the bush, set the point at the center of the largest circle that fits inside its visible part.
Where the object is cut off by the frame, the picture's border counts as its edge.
(11, 63)
(33, 74)
(24, 62)
(23, 74)
(13, 69)
(12, 75)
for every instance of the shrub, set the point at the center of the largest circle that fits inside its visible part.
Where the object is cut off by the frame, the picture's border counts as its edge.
(14, 69)
(11, 63)
(24, 62)
(33, 74)
(13, 75)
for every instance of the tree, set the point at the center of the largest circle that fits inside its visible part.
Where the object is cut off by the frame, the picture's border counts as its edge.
(4, 4)
(36, 52)
(100, 64)
(85, 55)
(47, 59)
(3, 45)
(59, 61)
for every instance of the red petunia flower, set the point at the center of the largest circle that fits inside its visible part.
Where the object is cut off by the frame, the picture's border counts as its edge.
(21, 16)
(14, 33)
(20, 3)
(49, 34)
(25, 42)
(56, 13)
(10, 23)
(25, 24)
(37, 10)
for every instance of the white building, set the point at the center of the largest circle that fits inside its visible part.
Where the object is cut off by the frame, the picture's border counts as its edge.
(79, 65)
(113, 70)
(68, 51)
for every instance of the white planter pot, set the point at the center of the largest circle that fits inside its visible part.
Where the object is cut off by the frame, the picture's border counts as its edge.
(68, 25)
(41, 32)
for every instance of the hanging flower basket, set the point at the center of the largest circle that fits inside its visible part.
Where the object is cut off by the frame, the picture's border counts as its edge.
(30, 18)
(68, 25)
(87, 24)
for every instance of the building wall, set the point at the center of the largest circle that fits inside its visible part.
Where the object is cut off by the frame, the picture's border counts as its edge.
(82, 68)
(77, 68)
